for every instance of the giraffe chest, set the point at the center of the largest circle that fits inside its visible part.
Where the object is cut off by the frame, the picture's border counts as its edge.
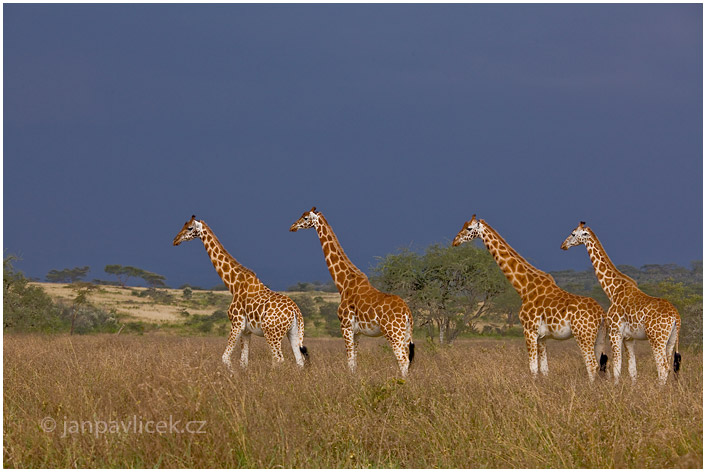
(633, 330)
(631, 321)
(254, 327)
(254, 312)
(559, 330)
(368, 328)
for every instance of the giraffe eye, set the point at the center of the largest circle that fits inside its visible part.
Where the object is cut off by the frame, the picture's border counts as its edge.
(190, 228)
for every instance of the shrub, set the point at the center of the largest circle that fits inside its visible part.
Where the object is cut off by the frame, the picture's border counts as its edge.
(26, 307)
(329, 311)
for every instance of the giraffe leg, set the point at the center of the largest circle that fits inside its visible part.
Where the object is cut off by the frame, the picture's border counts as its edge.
(659, 350)
(586, 345)
(531, 341)
(400, 350)
(632, 360)
(295, 342)
(616, 344)
(236, 330)
(542, 355)
(399, 347)
(245, 347)
(275, 343)
(351, 347)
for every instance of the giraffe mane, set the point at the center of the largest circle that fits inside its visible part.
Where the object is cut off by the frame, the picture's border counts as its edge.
(609, 260)
(231, 259)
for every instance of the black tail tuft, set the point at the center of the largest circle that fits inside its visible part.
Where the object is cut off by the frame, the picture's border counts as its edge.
(305, 352)
(411, 352)
(603, 362)
(677, 362)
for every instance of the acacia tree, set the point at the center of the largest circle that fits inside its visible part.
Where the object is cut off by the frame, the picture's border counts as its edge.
(152, 279)
(448, 288)
(122, 273)
(67, 275)
(508, 303)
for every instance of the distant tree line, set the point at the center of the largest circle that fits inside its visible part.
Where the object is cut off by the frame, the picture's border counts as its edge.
(67, 275)
(122, 273)
(315, 286)
(451, 291)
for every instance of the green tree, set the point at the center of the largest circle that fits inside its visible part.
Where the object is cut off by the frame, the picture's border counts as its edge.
(122, 273)
(306, 305)
(329, 312)
(448, 288)
(508, 303)
(152, 279)
(67, 275)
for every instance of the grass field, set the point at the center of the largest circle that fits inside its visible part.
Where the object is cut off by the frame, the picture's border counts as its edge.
(471, 405)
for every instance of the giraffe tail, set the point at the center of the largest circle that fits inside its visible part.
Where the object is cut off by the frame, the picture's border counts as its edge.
(302, 347)
(601, 341)
(677, 356)
(305, 353)
(603, 362)
(411, 353)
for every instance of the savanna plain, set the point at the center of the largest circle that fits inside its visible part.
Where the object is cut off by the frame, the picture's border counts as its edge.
(473, 404)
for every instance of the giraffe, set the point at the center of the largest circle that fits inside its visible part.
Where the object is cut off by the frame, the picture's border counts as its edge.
(363, 308)
(255, 308)
(547, 311)
(633, 314)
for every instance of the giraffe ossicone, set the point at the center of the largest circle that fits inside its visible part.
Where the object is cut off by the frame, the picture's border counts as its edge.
(255, 308)
(633, 315)
(547, 310)
(364, 310)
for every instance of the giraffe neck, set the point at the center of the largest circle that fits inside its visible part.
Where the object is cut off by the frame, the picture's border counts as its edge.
(343, 271)
(523, 276)
(607, 274)
(238, 278)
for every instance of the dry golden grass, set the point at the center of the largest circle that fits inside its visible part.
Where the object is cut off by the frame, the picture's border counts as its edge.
(469, 406)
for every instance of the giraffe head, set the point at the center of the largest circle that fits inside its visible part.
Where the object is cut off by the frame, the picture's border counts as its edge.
(578, 236)
(471, 229)
(192, 229)
(307, 220)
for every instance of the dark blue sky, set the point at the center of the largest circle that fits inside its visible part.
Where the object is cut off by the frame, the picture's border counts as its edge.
(397, 121)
